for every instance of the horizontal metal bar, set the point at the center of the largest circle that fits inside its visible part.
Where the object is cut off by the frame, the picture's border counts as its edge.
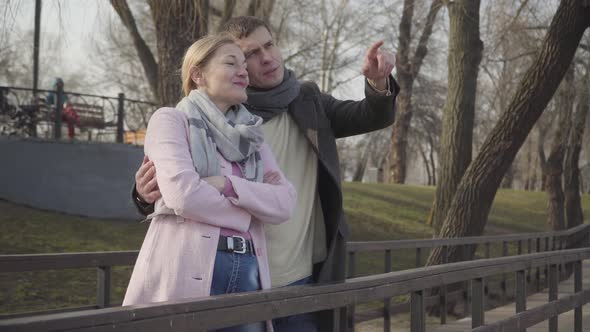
(438, 242)
(38, 262)
(537, 314)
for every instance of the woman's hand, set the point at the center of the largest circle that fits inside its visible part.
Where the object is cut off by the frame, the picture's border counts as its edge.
(272, 177)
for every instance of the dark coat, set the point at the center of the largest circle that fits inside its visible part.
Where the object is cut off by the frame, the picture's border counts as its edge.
(323, 118)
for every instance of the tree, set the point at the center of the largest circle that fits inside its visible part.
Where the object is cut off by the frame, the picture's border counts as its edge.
(553, 167)
(465, 49)
(408, 67)
(573, 206)
(472, 201)
(324, 41)
(177, 23)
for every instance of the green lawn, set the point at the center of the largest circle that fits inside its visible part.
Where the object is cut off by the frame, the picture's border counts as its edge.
(375, 212)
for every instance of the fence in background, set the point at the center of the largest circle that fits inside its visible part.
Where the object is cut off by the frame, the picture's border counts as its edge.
(27, 114)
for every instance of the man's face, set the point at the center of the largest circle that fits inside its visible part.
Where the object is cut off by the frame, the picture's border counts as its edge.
(265, 62)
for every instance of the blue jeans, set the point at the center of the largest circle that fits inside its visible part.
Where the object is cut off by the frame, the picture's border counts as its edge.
(234, 273)
(297, 323)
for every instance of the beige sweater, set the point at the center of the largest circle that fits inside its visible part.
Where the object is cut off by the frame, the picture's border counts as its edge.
(294, 245)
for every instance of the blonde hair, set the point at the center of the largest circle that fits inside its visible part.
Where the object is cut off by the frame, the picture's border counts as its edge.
(198, 56)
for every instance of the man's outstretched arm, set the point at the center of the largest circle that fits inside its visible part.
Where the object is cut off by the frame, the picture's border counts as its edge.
(377, 110)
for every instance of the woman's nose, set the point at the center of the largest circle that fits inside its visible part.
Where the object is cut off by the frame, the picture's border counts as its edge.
(242, 71)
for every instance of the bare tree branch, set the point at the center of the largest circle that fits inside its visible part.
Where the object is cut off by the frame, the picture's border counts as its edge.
(228, 11)
(143, 51)
(422, 49)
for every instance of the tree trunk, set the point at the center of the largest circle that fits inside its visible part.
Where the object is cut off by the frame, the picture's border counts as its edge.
(178, 24)
(508, 178)
(465, 50)
(553, 168)
(399, 134)
(432, 161)
(573, 205)
(533, 182)
(473, 199)
(261, 9)
(146, 57)
(407, 71)
(529, 167)
(361, 165)
(541, 154)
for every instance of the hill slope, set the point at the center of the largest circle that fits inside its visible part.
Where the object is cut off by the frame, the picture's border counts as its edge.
(375, 212)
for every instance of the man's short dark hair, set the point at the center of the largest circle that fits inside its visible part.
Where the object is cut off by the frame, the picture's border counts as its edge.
(242, 26)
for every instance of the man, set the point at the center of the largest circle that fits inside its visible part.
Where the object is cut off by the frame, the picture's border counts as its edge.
(301, 127)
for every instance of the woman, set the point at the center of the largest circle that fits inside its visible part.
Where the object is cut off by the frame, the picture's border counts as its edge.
(219, 184)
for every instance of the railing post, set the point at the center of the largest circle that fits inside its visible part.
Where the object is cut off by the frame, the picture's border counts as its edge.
(417, 317)
(528, 251)
(59, 104)
(521, 292)
(553, 288)
(351, 273)
(560, 246)
(503, 282)
(120, 117)
(418, 257)
(467, 289)
(546, 268)
(443, 290)
(477, 302)
(103, 290)
(387, 301)
(538, 271)
(578, 288)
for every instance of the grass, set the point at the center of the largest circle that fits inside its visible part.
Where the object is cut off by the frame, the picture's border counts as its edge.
(374, 212)
(26, 231)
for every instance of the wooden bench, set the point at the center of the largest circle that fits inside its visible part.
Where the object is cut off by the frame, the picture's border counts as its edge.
(91, 116)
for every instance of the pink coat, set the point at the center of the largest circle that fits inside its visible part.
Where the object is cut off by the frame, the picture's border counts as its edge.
(178, 253)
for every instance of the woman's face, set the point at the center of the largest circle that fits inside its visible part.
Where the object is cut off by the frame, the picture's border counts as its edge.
(225, 78)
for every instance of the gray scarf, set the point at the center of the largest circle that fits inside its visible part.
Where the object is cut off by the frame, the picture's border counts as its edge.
(237, 135)
(268, 103)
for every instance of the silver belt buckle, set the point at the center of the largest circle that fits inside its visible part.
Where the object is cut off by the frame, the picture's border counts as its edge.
(231, 244)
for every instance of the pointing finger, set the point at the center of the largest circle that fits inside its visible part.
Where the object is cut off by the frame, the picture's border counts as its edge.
(372, 52)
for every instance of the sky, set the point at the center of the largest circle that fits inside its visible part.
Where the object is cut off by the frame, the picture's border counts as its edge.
(75, 24)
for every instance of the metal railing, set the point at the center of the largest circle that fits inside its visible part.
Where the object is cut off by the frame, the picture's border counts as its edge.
(104, 261)
(201, 314)
(535, 242)
(26, 112)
